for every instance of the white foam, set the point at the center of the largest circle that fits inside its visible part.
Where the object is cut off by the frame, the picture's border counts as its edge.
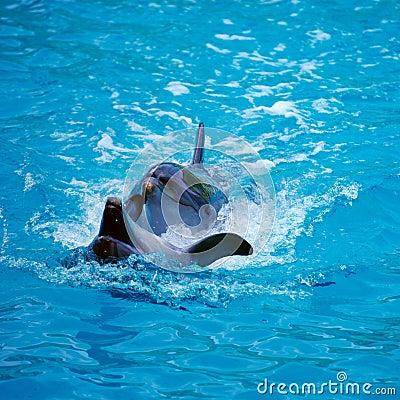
(283, 108)
(296, 215)
(254, 56)
(68, 160)
(261, 90)
(318, 148)
(79, 184)
(5, 238)
(224, 36)
(301, 157)
(69, 229)
(318, 35)
(109, 151)
(257, 91)
(308, 67)
(324, 106)
(233, 84)
(292, 213)
(65, 136)
(142, 111)
(280, 47)
(135, 127)
(29, 182)
(172, 114)
(217, 49)
(177, 88)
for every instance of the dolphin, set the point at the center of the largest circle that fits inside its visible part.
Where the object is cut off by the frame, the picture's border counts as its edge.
(168, 194)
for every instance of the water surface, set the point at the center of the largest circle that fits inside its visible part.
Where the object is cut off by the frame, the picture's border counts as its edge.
(313, 86)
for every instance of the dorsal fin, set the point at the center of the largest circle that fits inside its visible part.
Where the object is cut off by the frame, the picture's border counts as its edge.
(198, 152)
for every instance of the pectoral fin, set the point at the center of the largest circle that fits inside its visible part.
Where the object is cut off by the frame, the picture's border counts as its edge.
(217, 246)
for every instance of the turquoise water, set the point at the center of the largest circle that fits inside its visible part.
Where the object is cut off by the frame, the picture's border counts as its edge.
(312, 85)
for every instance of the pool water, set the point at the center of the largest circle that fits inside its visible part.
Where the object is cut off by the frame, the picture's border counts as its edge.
(313, 86)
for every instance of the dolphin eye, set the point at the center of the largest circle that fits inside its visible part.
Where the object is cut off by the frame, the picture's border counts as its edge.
(163, 179)
(157, 174)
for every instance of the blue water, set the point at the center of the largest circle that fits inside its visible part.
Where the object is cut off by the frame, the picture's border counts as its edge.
(312, 85)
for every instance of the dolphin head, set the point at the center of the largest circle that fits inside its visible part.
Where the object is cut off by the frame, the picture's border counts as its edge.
(172, 194)
(113, 240)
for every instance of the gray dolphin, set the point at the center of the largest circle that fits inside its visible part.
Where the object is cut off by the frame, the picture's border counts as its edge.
(168, 194)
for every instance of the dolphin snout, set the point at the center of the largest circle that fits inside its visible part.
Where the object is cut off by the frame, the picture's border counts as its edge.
(149, 186)
(114, 202)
